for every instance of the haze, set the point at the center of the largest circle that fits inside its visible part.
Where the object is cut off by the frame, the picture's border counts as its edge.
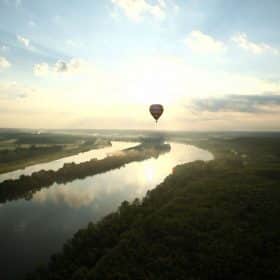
(214, 65)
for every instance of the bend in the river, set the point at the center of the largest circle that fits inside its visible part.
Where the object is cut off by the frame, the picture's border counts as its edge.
(30, 231)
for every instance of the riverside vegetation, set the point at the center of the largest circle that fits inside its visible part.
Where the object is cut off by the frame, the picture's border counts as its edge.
(207, 220)
(25, 186)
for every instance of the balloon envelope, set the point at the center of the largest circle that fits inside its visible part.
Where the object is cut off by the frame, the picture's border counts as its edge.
(156, 111)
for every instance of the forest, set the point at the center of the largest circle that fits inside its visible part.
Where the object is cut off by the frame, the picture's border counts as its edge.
(207, 220)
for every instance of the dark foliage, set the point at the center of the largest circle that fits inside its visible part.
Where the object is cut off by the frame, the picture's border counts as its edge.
(8, 156)
(215, 220)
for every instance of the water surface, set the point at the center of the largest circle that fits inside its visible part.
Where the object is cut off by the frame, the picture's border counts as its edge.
(80, 157)
(30, 231)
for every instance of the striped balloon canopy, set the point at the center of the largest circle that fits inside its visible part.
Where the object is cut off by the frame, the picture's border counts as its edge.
(156, 111)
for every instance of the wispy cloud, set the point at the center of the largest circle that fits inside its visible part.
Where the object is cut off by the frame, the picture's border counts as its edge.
(262, 103)
(24, 41)
(31, 23)
(242, 40)
(14, 90)
(202, 43)
(41, 69)
(136, 9)
(16, 3)
(73, 44)
(4, 63)
(74, 65)
(4, 48)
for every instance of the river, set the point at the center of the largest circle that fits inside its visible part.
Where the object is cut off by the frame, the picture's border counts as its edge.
(32, 230)
(56, 164)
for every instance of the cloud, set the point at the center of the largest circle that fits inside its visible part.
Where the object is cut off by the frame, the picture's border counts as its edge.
(74, 65)
(31, 23)
(41, 69)
(14, 90)
(16, 3)
(4, 48)
(136, 9)
(129, 86)
(241, 39)
(73, 44)
(24, 41)
(4, 63)
(204, 44)
(262, 103)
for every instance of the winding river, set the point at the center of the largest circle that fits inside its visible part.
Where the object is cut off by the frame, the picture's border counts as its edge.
(32, 230)
(56, 164)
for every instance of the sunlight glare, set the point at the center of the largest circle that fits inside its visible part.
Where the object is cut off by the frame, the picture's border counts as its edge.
(149, 171)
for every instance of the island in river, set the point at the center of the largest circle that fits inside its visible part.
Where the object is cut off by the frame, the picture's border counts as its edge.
(25, 186)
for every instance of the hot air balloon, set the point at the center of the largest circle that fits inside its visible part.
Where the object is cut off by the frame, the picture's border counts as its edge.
(156, 111)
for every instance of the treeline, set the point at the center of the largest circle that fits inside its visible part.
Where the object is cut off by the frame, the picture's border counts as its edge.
(18, 154)
(25, 186)
(257, 152)
(205, 221)
(16, 157)
(45, 138)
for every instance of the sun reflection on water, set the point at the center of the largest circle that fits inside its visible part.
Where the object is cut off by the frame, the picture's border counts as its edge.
(128, 182)
(149, 171)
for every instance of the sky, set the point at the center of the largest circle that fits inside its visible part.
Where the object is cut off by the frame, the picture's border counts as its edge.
(213, 64)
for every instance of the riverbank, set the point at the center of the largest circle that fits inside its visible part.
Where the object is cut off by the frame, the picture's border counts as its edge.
(25, 186)
(208, 220)
(55, 154)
